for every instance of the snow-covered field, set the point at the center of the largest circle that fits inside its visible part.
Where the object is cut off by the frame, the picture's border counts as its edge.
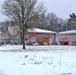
(37, 60)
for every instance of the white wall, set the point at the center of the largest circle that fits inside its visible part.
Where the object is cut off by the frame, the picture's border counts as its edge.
(71, 37)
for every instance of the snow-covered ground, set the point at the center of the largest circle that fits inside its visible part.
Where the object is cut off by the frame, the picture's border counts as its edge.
(37, 60)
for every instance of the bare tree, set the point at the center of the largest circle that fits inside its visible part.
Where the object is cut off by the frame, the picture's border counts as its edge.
(36, 19)
(21, 11)
(52, 21)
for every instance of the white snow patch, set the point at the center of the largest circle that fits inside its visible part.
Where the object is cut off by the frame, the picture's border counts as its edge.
(37, 30)
(68, 32)
(38, 60)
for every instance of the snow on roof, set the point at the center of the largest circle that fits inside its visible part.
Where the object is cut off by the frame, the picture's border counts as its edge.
(68, 32)
(37, 30)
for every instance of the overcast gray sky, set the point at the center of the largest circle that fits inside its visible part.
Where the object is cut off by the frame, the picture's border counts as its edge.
(62, 8)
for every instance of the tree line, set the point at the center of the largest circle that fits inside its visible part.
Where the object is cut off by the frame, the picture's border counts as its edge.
(28, 13)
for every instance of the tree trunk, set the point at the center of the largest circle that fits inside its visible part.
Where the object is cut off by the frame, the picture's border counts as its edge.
(54, 39)
(23, 37)
(21, 34)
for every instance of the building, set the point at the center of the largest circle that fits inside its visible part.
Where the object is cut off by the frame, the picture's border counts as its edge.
(66, 37)
(33, 35)
(36, 34)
